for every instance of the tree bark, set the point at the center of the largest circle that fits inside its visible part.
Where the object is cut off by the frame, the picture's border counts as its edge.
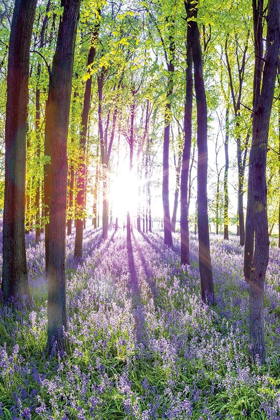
(176, 194)
(104, 160)
(78, 252)
(205, 266)
(131, 147)
(226, 177)
(57, 121)
(241, 150)
(256, 251)
(14, 273)
(71, 197)
(37, 127)
(166, 141)
(185, 240)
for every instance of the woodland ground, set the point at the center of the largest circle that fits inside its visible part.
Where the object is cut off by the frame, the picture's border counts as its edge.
(143, 345)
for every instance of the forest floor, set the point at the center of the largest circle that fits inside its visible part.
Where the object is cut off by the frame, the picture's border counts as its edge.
(143, 345)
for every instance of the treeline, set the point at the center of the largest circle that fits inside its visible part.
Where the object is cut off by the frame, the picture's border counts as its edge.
(88, 80)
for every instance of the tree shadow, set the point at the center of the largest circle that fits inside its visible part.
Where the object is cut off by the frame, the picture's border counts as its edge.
(137, 303)
(148, 272)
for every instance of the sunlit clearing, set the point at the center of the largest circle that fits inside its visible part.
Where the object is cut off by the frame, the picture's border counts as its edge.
(124, 193)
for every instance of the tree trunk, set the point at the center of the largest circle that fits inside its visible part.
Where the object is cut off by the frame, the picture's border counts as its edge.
(205, 266)
(78, 252)
(104, 160)
(37, 128)
(95, 196)
(236, 99)
(185, 240)
(71, 197)
(240, 191)
(226, 177)
(14, 273)
(256, 251)
(166, 141)
(176, 194)
(57, 120)
(131, 147)
(217, 203)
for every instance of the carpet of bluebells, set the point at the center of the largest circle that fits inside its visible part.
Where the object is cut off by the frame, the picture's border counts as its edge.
(142, 344)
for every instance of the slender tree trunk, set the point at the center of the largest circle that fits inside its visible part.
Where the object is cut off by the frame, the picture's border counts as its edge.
(236, 99)
(57, 120)
(226, 177)
(95, 196)
(71, 197)
(104, 159)
(185, 240)
(166, 142)
(256, 251)
(149, 196)
(240, 191)
(176, 194)
(217, 204)
(131, 146)
(14, 272)
(78, 252)
(37, 129)
(205, 266)
(139, 202)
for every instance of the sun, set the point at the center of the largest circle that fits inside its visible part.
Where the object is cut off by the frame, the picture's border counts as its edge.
(124, 194)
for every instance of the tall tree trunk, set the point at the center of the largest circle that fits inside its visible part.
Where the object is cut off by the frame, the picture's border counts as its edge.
(14, 273)
(166, 141)
(226, 177)
(185, 240)
(236, 99)
(205, 266)
(176, 194)
(37, 127)
(217, 203)
(78, 252)
(104, 160)
(71, 197)
(256, 251)
(95, 196)
(240, 191)
(149, 196)
(57, 121)
(131, 146)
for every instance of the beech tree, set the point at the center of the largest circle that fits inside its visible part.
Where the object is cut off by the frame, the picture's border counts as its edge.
(57, 120)
(14, 274)
(205, 266)
(185, 241)
(78, 252)
(256, 251)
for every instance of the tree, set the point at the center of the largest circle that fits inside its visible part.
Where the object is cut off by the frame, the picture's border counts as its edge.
(185, 241)
(57, 120)
(256, 251)
(205, 266)
(14, 274)
(236, 99)
(78, 252)
(226, 176)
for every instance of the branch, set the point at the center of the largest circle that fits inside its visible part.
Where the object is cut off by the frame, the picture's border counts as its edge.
(41, 55)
